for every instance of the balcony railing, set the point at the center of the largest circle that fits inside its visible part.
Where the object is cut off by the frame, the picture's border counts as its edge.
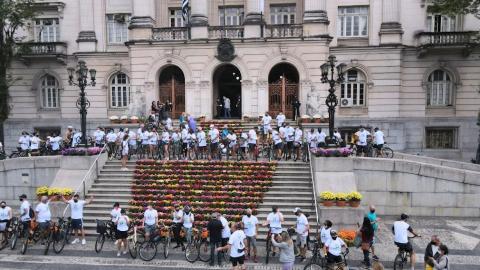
(442, 39)
(284, 31)
(170, 34)
(231, 32)
(42, 48)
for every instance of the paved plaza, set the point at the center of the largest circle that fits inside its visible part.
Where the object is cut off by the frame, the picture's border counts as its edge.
(462, 236)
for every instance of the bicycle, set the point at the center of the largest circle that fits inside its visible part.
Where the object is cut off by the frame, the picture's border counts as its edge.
(16, 232)
(318, 258)
(51, 235)
(198, 249)
(329, 266)
(401, 259)
(134, 242)
(105, 229)
(268, 245)
(148, 249)
(19, 153)
(5, 236)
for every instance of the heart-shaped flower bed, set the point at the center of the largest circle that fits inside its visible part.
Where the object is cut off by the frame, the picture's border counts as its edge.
(227, 187)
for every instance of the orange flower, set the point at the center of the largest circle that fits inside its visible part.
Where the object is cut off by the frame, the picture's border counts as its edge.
(347, 234)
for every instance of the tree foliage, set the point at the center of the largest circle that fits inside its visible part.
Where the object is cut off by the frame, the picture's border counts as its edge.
(14, 14)
(454, 7)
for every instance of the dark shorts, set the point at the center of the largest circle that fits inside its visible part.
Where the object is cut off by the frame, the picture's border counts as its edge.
(121, 234)
(290, 144)
(251, 146)
(378, 146)
(405, 246)
(77, 224)
(237, 260)
(213, 146)
(278, 146)
(43, 225)
(150, 229)
(333, 259)
(361, 149)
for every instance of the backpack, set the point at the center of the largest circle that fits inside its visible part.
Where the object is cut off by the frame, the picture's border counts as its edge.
(31, 213)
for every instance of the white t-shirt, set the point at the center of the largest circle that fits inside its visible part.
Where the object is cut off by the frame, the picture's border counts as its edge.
(153, 138)
(252, 136)
(175, 137)
(280, 119)
(321, 137)
(338, 136)
(362, 137)
(150, 216)
(24, 211)
(55, 143)
(244, 137)
(250, 224)
(77, 137)
(144, 136)
(168, 124)
(188, 220)
(276, 137)
(232, 138)
(267, 120)
(202, 139)
(4, 213)
(122, 224)
(226, 229)
(236, 241)
(165, 137)
(401, 231)
(275, 221)
(335, 246)
(115, 213)
(34, 143)
(111, 137)
(312, 139)
(99, 135)
(298, 135)
(177, 216)
(226, 102)
(325, 235)
(214, 135)
(76, 209)
(302, 223)
(132, 138)
(24, 142)
(379, 137)
(43, 212)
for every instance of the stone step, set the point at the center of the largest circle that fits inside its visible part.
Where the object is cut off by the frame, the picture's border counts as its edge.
(104, 190)
(292, 199)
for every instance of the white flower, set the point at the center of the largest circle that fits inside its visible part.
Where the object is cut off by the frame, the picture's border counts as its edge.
(124, 117)
(114, 117)
(305, 116)
(317, 116)
(133, 118)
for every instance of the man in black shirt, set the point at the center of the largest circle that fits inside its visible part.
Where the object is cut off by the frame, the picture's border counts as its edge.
(215, 228)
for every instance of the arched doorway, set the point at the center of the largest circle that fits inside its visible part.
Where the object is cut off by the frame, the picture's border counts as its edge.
(227, 82)
(172, 89)
(282, 89)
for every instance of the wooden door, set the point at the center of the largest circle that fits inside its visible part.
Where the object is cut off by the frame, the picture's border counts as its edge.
(282, 94)
(173, 91)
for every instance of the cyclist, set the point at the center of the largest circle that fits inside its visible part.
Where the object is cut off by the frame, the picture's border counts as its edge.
(226, 233)
(125, 152)
(5, 218)
(266, 122)
(302, 228)
(362, 143)
(192, 144)
(289, 138)
(43, 215)
(76, 208)
(111, 143)
(379, 141)
(24, 141)
(115, 213)
(243, 143)
(176, 139)
(321, 137)
(334, 248)
(150, 221)
(177, 225)
(132, 141)
(274, 220)
(252, 142)
(325, 235)
(122, 223)
(280, 119)
(202, 142)
(251, 230)
(35, 143)
(232, 142)
(25, 216)
(400, 229)
(165, 143)
(99, 136)
(188, 220)
(312, 138)
(152, 142)
(144, 137)
(55, 142)
(278, 144)
(214, 136)
(297, 142)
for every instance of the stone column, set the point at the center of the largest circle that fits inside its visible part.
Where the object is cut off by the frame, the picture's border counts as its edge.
(142, 20)
(86, 40)
(391, 29)
(254, 20)
(199, 19)
(315, 19)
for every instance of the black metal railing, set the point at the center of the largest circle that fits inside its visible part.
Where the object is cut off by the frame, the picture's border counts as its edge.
(42, 48)
(231, 32)
(170, 33)
(446, 38)
(284, 31)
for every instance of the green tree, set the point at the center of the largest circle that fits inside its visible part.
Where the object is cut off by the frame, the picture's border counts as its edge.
(14, 14)
(454, 7)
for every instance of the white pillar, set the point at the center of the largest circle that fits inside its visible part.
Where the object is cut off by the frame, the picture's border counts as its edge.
(254, 18)
(86, 40)
(391, 29)
(142, 20)
(315, 19)
(199, 19)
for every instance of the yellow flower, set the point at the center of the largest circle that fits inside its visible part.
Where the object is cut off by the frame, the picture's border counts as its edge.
(327, 196)
(354, 196)
(341, 196)
(43, 190)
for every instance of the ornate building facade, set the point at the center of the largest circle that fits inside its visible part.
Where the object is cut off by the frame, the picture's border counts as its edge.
(412, 73)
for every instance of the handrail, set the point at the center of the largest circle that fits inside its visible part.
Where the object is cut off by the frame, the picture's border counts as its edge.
(82, 186)
(314, 188)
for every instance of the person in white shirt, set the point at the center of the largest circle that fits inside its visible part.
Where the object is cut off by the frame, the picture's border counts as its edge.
(152, 143)
(150, 221)
(115, 213)
(6, 216)
(334, 248)
(123, 223)
(400, 230)
(297, 142)
(111, 143)
(338, 136)
(289, 138)
(362, 142)
(192, 141)
(120, 136)
(77, 138)
(280, 119)
(302, 228)
(55, 142)
(312, 139)
(232, 142)
(43, 214)
(226, 230)
(99, 136)
(25, 213)
(250, 223)
(169, 124)
(177, 225)
(76, 210)
(214, 136)
(236, 243)
(140, 130)
(34, 142)
(379, 141)
(188, 220)
(132, 140)
(274, 222)
(325, 232)
(202, 142)
(252, 142)
(277, 144)
(226, 107)
(243, 142)
(125, 152)
(321, 138)
(266, 124)
(24, 141)
(165, 144)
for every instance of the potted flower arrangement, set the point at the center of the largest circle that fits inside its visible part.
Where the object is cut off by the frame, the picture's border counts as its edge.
(124, 119)
(42, 191)
(114, 119)
(341, 199)
(354, 198)
(328, 198)
(348, 236)
(202, 118)
(317, 118)
(134, 120)
(305, 119)
(325, 117)
(246, 118)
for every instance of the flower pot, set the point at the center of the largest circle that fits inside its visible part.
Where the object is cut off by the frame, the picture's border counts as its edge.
(201, 119)
(124, 121)
(115, 121)
(354, 203)
(341, 203)
(317, 120)
(305, 120)
(328, 203)
(134, 121)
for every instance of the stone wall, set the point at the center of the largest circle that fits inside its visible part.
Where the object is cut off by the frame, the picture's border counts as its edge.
(396, 186)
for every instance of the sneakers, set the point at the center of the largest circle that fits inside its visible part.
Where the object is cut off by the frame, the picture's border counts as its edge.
(75, 241)
(118, 254)
(124, 252)
(84, 242)
(255, 259)
(124, 169)
(116, 242)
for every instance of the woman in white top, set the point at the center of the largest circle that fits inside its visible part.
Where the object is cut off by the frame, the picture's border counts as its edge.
(202, 142)
(165, 143)
(274, 221)
(188, 220)
(123, 222)
(152, 141)
(125, 147)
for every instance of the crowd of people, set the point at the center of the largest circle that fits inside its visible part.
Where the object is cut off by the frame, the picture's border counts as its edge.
(239, 239)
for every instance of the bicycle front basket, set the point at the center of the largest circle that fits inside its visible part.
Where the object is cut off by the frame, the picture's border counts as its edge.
(101, 226)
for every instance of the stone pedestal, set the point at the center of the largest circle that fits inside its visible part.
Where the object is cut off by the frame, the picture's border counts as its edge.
(342, 217)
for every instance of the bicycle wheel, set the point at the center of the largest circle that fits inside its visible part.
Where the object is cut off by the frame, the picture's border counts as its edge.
(312, 266)
(68, 233)
(48, 243)
(3, 240)
(147, 251)
(166, 246)
(398, 262)
(24, 245)
(204, 251)
(268, 247)
(59, 240)
(192, 252)
(132, 247)
(14, 239)
(99, 242)
(388, 152)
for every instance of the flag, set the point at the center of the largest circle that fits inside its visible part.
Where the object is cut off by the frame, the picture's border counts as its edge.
(185, 9)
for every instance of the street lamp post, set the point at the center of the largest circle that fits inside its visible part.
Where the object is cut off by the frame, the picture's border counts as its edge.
(81, 80)
(328, 76)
